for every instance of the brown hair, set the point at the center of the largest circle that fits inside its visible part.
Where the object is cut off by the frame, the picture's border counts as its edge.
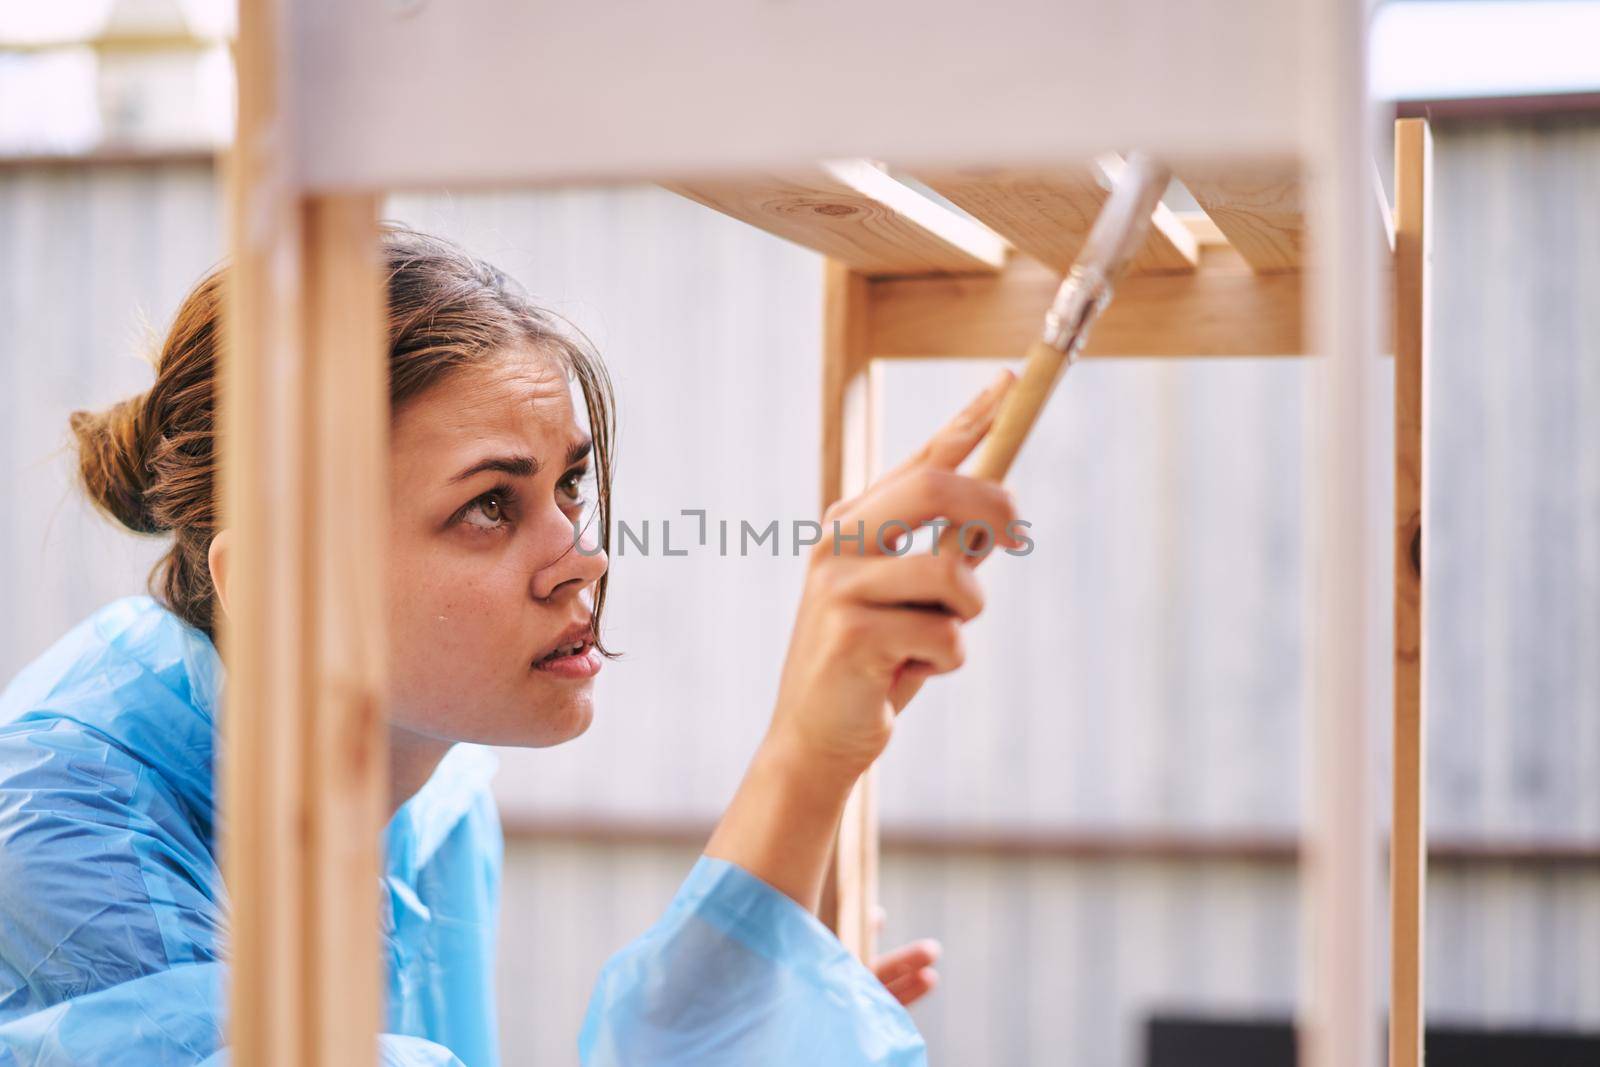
(150, 461)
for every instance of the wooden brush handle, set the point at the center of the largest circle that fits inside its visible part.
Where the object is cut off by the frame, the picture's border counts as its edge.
(1019, 411)
(1012, 423)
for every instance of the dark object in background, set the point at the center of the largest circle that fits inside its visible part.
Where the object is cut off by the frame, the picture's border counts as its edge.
(1179, 1041)
(1186, 1041)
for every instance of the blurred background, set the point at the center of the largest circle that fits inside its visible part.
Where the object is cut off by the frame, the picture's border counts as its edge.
(1099, 815)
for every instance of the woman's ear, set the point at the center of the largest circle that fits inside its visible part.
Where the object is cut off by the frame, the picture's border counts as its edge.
(217, 557)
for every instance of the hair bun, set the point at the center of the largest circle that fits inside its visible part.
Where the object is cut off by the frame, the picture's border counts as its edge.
(113, 461)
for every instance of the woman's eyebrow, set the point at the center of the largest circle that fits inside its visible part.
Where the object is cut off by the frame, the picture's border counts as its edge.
(516, 466)
(523, 466)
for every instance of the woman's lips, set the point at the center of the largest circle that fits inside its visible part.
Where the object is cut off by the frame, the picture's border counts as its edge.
(582, 664)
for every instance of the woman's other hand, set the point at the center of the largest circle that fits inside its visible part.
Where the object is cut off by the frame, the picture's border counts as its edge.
(907, 971)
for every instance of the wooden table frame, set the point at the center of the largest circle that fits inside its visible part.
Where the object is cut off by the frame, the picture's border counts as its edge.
(1267, 125)
(1220, 308)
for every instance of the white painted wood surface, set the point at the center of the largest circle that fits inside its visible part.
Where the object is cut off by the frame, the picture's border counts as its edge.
(428, 92)
(1338, 1020)
(1168, 568)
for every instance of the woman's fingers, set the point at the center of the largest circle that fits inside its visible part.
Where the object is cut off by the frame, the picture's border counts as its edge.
(955, 440)
(913, 987)
(931, 638)
(908, 972)
(906, 959)
(886, 514)
(907, 683)
(947, 448)
(890, 619)
(923, 580)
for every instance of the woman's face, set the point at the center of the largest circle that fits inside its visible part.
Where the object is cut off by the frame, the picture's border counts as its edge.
(489, 475)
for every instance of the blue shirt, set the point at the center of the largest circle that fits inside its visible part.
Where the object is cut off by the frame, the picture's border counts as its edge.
(113, 914)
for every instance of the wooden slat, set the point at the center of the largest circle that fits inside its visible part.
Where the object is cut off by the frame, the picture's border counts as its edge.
(854, 212)
(260, 481)
(1408, 855)
(849, 456)
(1222, 309)
(844, 381)
(346, 792)
(303, 424)
(1261, 211)
(1047, 213)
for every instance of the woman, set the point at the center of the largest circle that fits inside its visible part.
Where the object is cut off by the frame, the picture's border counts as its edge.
(112, 909)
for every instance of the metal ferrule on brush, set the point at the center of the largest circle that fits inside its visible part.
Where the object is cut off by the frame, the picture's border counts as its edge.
(1083, 293)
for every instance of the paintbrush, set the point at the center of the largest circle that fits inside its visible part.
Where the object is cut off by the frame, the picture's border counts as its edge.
(1118, 233)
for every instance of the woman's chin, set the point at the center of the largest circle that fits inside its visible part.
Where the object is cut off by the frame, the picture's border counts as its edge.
(582, 719)
(555, 722)
(542, 719)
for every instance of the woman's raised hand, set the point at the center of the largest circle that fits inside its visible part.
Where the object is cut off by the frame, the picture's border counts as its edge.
(871, 628)
(873, 625)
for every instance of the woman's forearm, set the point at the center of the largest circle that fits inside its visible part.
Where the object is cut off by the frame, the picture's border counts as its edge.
(780, 825)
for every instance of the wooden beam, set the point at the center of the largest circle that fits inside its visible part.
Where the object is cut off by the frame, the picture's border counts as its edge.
(845, 383)
(850, 428)
(303, 424)
(741, 86)
(346, 792)
(1261, 211)
(1047, 213)
(855, 212)
(1408, 850)
(261, 477)
(1222, 309)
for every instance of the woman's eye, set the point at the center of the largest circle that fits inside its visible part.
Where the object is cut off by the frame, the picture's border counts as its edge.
(571, 486)
(488, 512)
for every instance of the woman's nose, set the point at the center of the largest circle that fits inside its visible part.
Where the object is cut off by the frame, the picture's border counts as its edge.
(576, 563)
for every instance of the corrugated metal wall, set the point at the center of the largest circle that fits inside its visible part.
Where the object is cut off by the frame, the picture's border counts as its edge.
(1139, 672)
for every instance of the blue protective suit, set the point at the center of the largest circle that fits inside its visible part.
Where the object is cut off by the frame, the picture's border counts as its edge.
(113, 915)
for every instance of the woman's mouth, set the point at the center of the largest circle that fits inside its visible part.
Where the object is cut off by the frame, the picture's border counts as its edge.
(579, 659)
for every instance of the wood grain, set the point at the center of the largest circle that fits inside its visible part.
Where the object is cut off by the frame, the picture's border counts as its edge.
(1408, 849)
(854, 212)
(1041, 369)
(303, 425)
(849, 456)
(1222, 309)
(346, 791)
(261, 426)
(1261, 211)
(1047, 213)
